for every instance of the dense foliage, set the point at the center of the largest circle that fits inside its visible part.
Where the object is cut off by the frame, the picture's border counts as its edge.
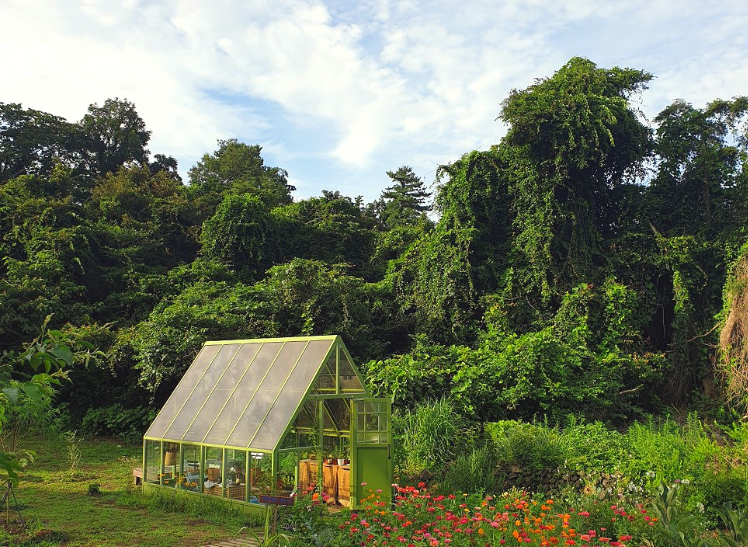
(585, 264)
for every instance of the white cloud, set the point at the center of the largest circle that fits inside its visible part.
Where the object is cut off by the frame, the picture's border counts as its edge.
(354, 88)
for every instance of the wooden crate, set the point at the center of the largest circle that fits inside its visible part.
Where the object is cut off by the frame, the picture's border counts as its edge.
(344, 485)
(213, 473)
(307, 475)
(235, 492)
(330, 481)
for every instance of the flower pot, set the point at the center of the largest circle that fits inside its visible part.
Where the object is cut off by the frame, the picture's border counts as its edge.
(341, 461)
(169, 458)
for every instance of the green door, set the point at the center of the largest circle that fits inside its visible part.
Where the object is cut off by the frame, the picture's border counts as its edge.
(371, 461)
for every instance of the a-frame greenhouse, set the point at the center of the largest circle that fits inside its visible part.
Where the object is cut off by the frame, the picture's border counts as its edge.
(264, 421)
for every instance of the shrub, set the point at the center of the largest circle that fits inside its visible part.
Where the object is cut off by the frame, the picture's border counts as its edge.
(533, 447)
(591, 447)
(127, 424)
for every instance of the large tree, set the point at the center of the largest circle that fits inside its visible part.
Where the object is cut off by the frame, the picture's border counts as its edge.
(238, 168)
(31, 141)
(113, 135)
(572, 139)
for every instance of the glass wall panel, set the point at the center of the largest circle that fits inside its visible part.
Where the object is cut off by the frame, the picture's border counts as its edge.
(349, 382)
(152, 469)
(285, 483)
(306, 425)
(212, 480)
(190, 465)
(291, 440)
(235, 473)
(340, 412)
(326, 379)
(260, 475)
(172, 464)
(372, 423)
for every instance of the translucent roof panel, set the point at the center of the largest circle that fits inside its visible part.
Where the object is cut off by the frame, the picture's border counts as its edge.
(199, 394)
(246, 393)
(189, 380)
(240, 398)
(221, 394)
(284, 407)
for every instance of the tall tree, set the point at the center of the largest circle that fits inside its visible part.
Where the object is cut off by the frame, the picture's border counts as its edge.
(31, 141)
(701, 159)
(113, 134)
(405, 202)
(572, 139)
(241, 235)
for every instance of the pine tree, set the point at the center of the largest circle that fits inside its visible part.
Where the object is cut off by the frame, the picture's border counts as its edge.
(405, 201)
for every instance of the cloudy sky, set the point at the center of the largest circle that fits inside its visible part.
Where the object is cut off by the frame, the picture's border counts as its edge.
(338, 92)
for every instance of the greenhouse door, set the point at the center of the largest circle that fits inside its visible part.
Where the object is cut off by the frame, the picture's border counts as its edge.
(371, 462)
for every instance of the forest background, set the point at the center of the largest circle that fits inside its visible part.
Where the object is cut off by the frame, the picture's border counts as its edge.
(592, 263)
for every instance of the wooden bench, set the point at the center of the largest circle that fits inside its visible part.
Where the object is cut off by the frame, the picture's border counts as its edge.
(137, 475)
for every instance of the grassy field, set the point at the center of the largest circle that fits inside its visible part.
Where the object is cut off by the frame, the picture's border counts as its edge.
(59, 510)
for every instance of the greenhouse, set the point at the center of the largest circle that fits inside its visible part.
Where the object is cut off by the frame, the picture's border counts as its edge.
(261, 422)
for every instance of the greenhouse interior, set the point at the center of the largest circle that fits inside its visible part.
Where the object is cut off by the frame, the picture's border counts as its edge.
(263, 422)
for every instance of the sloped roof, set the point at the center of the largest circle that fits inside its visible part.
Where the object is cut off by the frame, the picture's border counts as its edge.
(245, 393)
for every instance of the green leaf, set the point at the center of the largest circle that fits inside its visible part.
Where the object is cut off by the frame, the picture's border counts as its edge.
(64, 353)
(12, 394)
(33, 392)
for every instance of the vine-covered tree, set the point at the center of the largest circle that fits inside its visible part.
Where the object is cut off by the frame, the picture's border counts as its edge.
(572, 138)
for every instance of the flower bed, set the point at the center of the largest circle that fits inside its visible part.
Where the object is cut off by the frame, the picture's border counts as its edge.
(419, 518)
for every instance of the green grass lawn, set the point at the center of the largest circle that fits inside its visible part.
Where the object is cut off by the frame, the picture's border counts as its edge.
(59, 510)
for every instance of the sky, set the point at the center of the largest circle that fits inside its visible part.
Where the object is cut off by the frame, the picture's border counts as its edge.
(338, 92)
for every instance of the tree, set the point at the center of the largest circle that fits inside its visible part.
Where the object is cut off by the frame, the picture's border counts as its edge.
(113, 135)
(699, 168)
(405, 201)
(238, 168)
(572, 139)
(167, 164)
(440, 278)
(32, 141)
(332, 228)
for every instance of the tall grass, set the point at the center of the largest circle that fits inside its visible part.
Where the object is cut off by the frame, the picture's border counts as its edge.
(428, 436)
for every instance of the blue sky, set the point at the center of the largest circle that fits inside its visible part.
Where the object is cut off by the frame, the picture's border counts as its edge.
(339, 92)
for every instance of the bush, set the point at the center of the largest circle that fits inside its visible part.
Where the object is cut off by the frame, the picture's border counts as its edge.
(532, 447)
(128, 424)
(592, 447)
